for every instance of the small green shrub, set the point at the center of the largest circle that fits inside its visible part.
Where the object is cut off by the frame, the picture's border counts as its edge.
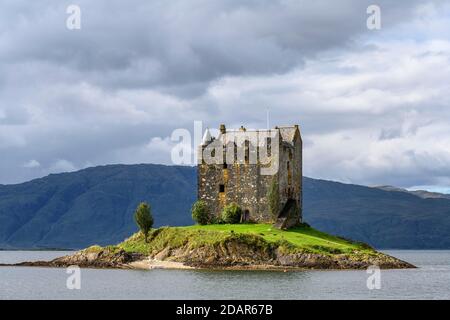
(231, 214)
(364, 245)
(216, 220)
(273, 197)
(325, 249)
(304, 225)
(200, 213)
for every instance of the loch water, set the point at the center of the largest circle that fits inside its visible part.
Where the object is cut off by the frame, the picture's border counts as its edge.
(431, 280)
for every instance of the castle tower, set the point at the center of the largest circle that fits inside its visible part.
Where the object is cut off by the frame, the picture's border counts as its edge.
(243, 166)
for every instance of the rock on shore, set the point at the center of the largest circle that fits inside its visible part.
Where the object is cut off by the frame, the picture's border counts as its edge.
(101, 259)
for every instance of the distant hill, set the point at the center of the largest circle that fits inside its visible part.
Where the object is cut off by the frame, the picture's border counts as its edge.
(95, 206)
(420, 193)
(384, 219)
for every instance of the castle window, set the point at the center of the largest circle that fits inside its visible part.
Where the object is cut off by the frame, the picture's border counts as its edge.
(221, 188)
(225, 166)
(269, 146)
(290, 154)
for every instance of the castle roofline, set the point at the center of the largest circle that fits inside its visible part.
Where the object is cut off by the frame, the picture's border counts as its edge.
(287, 133)
(262, 130)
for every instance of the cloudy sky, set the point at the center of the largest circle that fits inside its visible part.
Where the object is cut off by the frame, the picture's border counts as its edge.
(373, 105)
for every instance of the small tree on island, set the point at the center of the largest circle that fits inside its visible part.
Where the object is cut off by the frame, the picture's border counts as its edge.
(200, 213)
(143, 218)
(273, 197)
(231, 214)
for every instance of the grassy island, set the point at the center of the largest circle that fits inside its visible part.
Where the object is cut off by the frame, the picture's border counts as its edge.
(246, 246)
(231, 246)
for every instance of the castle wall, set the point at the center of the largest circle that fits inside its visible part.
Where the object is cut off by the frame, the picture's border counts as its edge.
(298, 174)
(243, 185)
(209, 178)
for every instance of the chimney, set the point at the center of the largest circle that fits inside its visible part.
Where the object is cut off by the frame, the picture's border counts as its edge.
(223, 129)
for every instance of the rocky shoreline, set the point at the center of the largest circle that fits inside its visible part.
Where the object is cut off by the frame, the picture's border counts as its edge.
(103, 259)
(232, 256)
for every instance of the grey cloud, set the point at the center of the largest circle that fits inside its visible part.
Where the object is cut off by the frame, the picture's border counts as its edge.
(179, 43)
(140, 69)
(387, 134)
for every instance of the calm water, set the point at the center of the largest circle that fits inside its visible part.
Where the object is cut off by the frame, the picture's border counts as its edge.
(430, 281)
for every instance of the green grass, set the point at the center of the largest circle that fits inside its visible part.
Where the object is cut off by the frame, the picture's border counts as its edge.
(302, 237)
(299, 239)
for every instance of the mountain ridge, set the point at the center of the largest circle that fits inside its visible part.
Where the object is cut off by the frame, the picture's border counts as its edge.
(95, 206)
(424, 194)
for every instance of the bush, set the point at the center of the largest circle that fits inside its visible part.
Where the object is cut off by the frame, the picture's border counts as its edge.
(215, 220)
(143, 218)
(304, 225)
(231, 214)
(274, 199)
(200, 213)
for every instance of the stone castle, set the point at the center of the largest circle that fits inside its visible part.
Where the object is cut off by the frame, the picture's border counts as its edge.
(246, 167)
